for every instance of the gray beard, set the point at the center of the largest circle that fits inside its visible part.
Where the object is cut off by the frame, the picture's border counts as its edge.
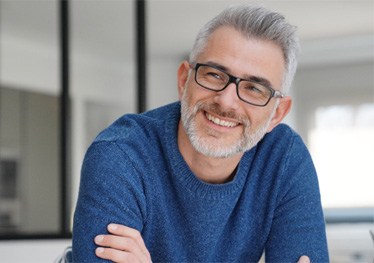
(202, 145)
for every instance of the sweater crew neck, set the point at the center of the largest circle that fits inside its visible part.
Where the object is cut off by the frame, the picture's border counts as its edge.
(186, 178)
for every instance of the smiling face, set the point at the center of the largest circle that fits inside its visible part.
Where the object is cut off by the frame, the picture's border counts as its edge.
(219, 124)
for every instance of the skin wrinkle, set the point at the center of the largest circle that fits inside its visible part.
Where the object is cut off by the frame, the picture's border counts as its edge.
(258, 79)
(257, 58)
(213, 151)
(247, 141)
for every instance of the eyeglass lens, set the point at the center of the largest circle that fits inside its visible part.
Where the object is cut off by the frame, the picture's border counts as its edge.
(249, 91)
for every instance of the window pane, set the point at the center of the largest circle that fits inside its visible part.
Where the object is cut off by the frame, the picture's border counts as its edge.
(29, 134)
(103, 72)
(343, 148)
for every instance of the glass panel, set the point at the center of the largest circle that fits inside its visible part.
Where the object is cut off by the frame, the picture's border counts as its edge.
(103, 72)
(29, 134)
(29, 161)
(343, 148)
(334, 113)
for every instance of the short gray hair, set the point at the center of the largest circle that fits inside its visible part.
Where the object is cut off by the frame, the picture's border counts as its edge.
(255, 22)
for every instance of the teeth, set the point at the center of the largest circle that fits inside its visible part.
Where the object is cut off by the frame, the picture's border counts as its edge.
(220, 122)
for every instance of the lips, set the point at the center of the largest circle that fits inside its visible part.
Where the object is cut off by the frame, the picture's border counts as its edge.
(220, 122)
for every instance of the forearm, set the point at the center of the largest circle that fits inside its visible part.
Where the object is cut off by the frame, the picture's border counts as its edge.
(106, 195)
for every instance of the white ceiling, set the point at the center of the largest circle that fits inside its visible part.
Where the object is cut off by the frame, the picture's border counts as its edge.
(314, 19)
(106, 28)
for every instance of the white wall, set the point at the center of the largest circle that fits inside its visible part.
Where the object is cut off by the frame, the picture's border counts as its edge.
(162, 80)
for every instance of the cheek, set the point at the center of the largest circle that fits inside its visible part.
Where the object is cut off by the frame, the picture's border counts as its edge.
(257, 116)
(197, 94)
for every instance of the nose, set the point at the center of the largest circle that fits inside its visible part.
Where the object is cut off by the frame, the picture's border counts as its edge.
(227, 98)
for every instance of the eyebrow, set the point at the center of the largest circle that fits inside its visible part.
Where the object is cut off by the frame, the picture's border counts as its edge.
(260, 80)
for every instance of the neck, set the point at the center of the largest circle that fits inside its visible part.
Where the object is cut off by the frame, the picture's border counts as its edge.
(208, 169)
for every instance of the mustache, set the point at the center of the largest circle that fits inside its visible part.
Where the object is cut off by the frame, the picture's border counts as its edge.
(217, 109)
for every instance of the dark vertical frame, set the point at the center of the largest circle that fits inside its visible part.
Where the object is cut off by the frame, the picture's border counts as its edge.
(64, 116)
(141, 54)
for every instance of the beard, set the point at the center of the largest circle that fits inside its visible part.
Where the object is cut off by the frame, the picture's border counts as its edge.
(210, 146)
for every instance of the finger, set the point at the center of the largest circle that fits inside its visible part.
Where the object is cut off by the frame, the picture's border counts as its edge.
(115, 255)
(304, 259)
(132, 233)
(117, 242)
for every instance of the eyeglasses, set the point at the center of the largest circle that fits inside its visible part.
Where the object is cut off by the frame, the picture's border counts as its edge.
(251, 92)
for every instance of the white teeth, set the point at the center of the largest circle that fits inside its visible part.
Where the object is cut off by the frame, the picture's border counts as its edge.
(220, 122)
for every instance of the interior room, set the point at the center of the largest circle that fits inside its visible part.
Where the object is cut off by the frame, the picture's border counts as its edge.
(52, 106)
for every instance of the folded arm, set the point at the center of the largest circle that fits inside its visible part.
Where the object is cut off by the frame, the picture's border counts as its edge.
(109, 193)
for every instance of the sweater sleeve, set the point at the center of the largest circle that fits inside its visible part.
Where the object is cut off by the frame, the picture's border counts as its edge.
(298, 226)
(110, 192)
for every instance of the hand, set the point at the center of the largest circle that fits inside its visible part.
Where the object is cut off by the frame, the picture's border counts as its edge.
(123, 244)
(304, 259)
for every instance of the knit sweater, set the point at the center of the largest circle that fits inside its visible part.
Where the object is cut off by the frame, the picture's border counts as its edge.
(134, 174)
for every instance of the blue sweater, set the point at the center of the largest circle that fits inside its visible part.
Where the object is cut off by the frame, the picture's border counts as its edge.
(134, 174)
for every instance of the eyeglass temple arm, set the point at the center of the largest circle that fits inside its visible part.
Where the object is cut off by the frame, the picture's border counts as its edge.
(278, 94)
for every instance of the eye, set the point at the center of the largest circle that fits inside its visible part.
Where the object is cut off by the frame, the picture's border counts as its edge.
(214, 75)
(211, 75)
(253, 89)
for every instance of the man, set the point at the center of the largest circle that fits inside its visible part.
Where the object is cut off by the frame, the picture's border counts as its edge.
(214, 178)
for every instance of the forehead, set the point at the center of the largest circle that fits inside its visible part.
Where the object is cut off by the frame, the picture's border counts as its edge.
(244, 56)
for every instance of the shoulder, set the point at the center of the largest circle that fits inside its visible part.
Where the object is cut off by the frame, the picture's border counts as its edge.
(134, 140)
(281, 131)
(290, 143)
(290, 159)
(282, 140)
(131, 126)
(139, 135)
(283, 157)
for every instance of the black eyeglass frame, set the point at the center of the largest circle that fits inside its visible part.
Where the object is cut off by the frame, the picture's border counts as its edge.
(232, 79)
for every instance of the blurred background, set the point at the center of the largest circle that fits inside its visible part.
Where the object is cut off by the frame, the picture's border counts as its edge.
(48, 117)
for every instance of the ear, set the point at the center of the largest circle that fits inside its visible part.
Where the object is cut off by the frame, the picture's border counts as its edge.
(282, 110)
(182, 77)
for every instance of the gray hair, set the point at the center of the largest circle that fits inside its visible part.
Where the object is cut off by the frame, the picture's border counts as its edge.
(255, 22)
